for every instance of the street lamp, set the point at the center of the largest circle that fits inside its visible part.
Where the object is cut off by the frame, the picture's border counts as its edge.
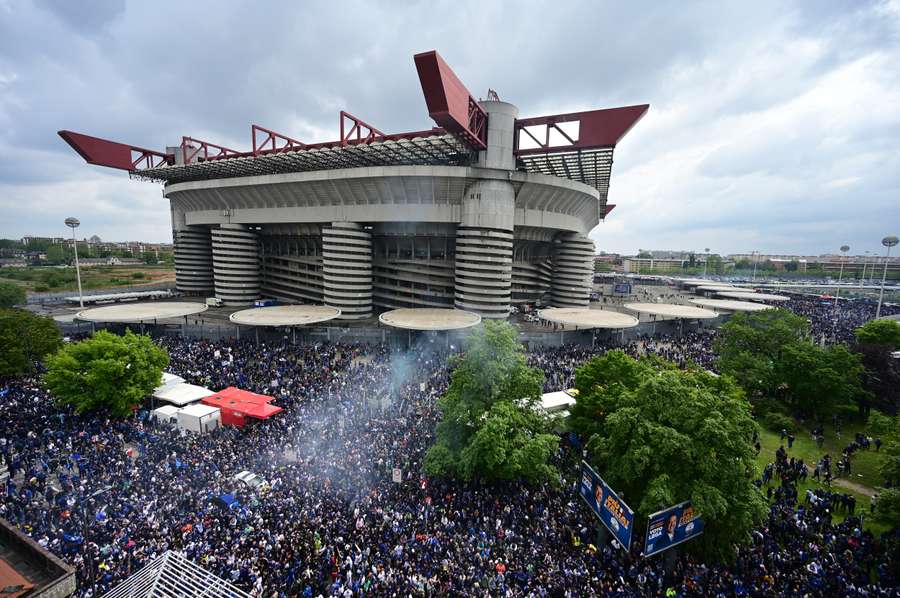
(888, 242)
(706, 262)
(844, 250)
(73, 224)
(755, 260)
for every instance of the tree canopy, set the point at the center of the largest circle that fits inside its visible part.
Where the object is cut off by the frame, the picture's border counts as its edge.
(659, 435)
(24, 339)
(106, 372)
(490, 429)
(11, 294)
(770, 355)
(880, 332)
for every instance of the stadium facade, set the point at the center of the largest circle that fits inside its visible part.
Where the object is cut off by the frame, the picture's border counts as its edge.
(482, 212)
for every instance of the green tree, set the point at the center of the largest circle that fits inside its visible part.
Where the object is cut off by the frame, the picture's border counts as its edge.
(879, 332)
(888, 509)
(749, 347)
(660, 435)
(106, 372)
(489, 428)
(57, 254)
(11, 294)
(24, 339)
(792, 266)
(816, 381)
(715, 265)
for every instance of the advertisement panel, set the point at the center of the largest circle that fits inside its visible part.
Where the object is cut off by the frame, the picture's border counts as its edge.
(622, 288)
(606, 504)
(672, 526)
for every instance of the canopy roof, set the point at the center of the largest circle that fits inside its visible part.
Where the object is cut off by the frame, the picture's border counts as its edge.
(248, 404)
(588, 318)
(428, 318)
(556, 401)
(672, 310)
(751, 296)
(730, 305)
(181, 393)
(284, 315)
(141, 312)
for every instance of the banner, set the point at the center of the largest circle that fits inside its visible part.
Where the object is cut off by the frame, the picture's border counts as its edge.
(672, 526)
(612, 510)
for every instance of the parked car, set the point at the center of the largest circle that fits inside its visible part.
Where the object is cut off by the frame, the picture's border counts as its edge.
(252, 481)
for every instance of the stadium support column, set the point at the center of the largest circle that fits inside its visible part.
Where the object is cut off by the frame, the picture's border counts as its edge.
(347, 269)
(484, 237)
(193, 260)
(235, 254)
(484, 245)
(573, 271)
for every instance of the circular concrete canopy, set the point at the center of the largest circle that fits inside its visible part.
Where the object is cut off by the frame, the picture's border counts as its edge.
(427, 318)
(284, 315)
(141, 312)
(718, 287)
(672, 310)
(693, 282)
(588, 318)
(730, 305)
(751, 296)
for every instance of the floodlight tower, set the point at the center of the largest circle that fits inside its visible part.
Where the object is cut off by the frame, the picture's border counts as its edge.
(705, 262)
(73, 223)
(844, 250)
(888, 242)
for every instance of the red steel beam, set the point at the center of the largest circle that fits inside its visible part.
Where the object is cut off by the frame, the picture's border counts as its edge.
(357, 129)
(273, 143)
(111, 154)
(193, 148)
(596, 129)
(450, 104)
(607, 209)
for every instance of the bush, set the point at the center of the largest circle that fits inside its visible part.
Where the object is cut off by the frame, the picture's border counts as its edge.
(776, 422)
(137, 275)
(11, 294)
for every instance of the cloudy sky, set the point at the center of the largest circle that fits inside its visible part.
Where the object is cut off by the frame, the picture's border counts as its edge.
(773, 126)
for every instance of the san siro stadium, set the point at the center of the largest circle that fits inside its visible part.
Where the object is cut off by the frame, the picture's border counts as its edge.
(485, 211)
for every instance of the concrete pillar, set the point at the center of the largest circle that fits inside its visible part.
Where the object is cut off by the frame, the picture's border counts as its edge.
(347, 269)
(193, 260)
(500, 137)
(573, 270)
(235, 254)
(484, 246)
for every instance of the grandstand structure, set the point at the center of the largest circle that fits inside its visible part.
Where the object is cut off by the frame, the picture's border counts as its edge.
(482, 212)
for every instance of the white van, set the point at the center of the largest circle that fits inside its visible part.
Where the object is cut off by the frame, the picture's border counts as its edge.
(252, 481)
(213, 302)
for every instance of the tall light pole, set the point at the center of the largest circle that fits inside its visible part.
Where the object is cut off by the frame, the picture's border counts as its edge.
(888, 242)
(755, 260)
(844, 250)
(73, 224)
(706, 262)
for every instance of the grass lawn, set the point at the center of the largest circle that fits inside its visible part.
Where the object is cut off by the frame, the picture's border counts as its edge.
(53, 279)
(864, 464)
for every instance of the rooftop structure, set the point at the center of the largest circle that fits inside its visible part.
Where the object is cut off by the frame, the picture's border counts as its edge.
(484, 211)
(28, 570)
(729, 305)
(237, 405)
(173, 575)
(752, 296)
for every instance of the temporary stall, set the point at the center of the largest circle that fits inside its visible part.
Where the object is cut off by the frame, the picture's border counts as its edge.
(199, 418)
(168, 379)
(166, 414)
(238, 405)
(181, 393)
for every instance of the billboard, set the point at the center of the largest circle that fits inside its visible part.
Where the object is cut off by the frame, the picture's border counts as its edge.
(622, 288)
(672, 526)
(612, 510)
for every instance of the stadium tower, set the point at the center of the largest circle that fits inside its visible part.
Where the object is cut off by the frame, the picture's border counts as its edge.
(485, 211)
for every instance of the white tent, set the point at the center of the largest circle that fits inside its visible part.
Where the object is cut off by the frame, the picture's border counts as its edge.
(172, 574)
(168, 378)
(200, 418)
(166, 414)
(181, 393)
(560, 400)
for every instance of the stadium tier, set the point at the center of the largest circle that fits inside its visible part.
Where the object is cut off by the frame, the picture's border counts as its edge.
(482, 212)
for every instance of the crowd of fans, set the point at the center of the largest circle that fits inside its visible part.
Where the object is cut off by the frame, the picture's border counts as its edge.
(110, 495)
